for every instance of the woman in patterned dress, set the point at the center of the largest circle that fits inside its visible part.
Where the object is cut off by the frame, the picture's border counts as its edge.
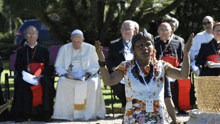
(144, 77)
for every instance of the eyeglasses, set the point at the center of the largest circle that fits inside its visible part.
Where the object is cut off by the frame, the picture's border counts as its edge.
(31, 35)
(128, 30)
(164, 31)
(204, 23)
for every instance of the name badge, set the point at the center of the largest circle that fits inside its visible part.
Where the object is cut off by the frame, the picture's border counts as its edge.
(149, 105)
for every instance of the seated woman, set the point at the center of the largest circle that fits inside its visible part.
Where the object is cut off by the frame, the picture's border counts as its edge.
(144, 77)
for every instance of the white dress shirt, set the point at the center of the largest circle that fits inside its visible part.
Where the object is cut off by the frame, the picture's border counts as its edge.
(202, 37)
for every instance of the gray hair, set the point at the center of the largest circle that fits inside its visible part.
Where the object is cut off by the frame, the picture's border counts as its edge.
(209, 18)
(136, 26)
(165, 24)
(172, 19)
(130, 22)
(25, 31)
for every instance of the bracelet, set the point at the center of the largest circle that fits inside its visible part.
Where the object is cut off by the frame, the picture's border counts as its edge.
(102, 64)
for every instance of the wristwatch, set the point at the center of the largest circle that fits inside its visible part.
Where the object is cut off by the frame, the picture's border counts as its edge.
(102, 64)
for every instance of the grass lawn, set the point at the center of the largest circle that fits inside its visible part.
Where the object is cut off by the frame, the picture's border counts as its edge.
(105, 90)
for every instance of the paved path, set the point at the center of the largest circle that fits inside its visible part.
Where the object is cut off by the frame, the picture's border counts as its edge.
(109, 119)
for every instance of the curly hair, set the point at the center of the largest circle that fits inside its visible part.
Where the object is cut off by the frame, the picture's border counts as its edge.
(146, 37)
(142, 36)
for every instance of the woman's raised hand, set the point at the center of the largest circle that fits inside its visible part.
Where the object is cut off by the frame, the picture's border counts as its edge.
(188, 44)
(99, 51)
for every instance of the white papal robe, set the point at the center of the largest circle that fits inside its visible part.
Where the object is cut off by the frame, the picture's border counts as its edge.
(78, 100)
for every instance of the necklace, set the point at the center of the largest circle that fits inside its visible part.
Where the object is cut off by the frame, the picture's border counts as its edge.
(31, 58)
(71, 65)
(162, 51)
(216, 52)
(151, 80)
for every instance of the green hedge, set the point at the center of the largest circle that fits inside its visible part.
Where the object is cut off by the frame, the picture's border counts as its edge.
(7, 46)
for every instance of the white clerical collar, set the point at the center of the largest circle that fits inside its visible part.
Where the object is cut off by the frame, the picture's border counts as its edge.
(33, 45)
(126, 41)
(77, 49)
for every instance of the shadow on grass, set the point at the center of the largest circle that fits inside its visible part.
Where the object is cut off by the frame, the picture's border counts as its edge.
(10, 86)
(109, 102)
(107, 93)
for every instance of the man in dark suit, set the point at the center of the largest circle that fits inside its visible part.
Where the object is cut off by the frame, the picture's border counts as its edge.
(169, 50)
(174, 23)
(121, 50)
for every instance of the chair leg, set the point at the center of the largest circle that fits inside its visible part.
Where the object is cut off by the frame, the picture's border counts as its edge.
(192, 93)
(7, 93)
(112, 101)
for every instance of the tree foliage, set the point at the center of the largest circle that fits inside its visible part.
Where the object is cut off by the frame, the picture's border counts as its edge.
(98, 19)
(191, 13)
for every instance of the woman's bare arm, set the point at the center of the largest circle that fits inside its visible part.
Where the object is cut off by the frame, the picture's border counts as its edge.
(109, 79)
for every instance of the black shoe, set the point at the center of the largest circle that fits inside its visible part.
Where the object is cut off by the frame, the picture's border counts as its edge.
(21, 117)
(47, 116)
(182, 112)
(41, 117)
(47, 120)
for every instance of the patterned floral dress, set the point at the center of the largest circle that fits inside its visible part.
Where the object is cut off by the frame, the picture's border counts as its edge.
(137, 93)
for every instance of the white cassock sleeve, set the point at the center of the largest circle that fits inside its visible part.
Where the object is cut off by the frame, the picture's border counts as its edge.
(194, 50)
(93, 65)
(60, 62)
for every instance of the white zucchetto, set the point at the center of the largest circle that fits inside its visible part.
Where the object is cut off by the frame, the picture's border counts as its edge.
(77, 31)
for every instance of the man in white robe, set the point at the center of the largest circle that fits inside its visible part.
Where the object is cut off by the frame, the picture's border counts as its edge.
(79, 95)
(200, 38)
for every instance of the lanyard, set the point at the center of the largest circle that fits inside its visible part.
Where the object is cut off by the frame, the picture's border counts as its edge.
(162, 51)
(31, 58)
(72, 59)
(127, 44)
(142, 75)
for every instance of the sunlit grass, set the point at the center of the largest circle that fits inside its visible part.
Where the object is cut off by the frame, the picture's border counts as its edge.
(105, 90)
